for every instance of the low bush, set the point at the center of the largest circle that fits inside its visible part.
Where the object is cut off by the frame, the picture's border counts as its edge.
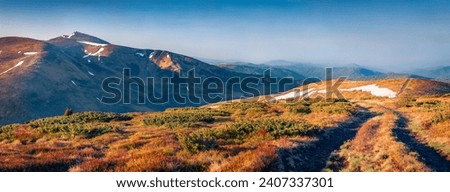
(205, 111)
(197, 141)
(333, 107)
(7, 132)
(72, 130)
(178, 120)
(78, 124)
(242, 106)
(238, 131)
(241, 131)
(433, 105)
(428, 104)
(79, 118)
(298, 107)
(174, 118)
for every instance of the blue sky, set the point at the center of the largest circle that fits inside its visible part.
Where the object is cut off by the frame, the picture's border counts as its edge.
(390, 35)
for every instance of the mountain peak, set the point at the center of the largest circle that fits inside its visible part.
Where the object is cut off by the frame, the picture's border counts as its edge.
(79, 36)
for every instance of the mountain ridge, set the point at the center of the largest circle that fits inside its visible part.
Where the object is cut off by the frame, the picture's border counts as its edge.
(43, 78)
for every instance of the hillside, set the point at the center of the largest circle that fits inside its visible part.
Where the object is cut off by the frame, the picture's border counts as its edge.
(387, 88)
(255, 69)
(435, 72)
(351, 72)
(404, 133)
(43, 78)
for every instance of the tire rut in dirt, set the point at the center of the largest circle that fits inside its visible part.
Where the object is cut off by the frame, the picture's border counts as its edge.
(312, 156)
(428, 155)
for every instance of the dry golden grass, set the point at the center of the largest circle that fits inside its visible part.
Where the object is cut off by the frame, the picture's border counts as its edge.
(135, 146)
(433, 133)
(402, 86)
(249, 161)
(140, 147)
(375, 148)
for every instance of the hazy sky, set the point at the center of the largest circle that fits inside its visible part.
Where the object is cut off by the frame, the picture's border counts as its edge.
(392, 35)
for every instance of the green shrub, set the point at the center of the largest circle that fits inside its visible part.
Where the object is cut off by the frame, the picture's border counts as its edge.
(205, 111)
(333, 107)
(237, 132)
(433, 105)
(78, 124)
(428, 104)
(241, 131)
(329, 100)
(178, 120)
(184, 117)
(298, 107)
(79, 118)
(242, 106)
(7, 132)
(72, 130)
(197, 141)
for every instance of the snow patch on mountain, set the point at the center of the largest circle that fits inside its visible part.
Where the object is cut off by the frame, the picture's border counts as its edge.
(375, 90)
(95, 54)
(30, 53)
(92, 43)
(18, 64)
(71, 35)
(68, 36)
(99, 51)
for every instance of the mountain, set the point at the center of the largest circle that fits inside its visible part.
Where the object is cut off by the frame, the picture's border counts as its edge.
(259, 69)
(352, 71)
(442, 72)
(43, 78)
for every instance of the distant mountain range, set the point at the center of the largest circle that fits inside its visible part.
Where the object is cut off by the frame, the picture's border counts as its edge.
(43, 78)
(442, 72)
(280, 68)
(255, 69)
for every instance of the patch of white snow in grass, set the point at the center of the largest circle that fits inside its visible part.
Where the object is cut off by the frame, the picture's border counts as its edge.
(375, 90)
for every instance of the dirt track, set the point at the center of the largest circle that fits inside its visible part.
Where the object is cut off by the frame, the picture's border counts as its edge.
(313, 156)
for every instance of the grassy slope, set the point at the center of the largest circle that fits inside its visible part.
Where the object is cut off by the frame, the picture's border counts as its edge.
(245, 136)
(232, 137)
